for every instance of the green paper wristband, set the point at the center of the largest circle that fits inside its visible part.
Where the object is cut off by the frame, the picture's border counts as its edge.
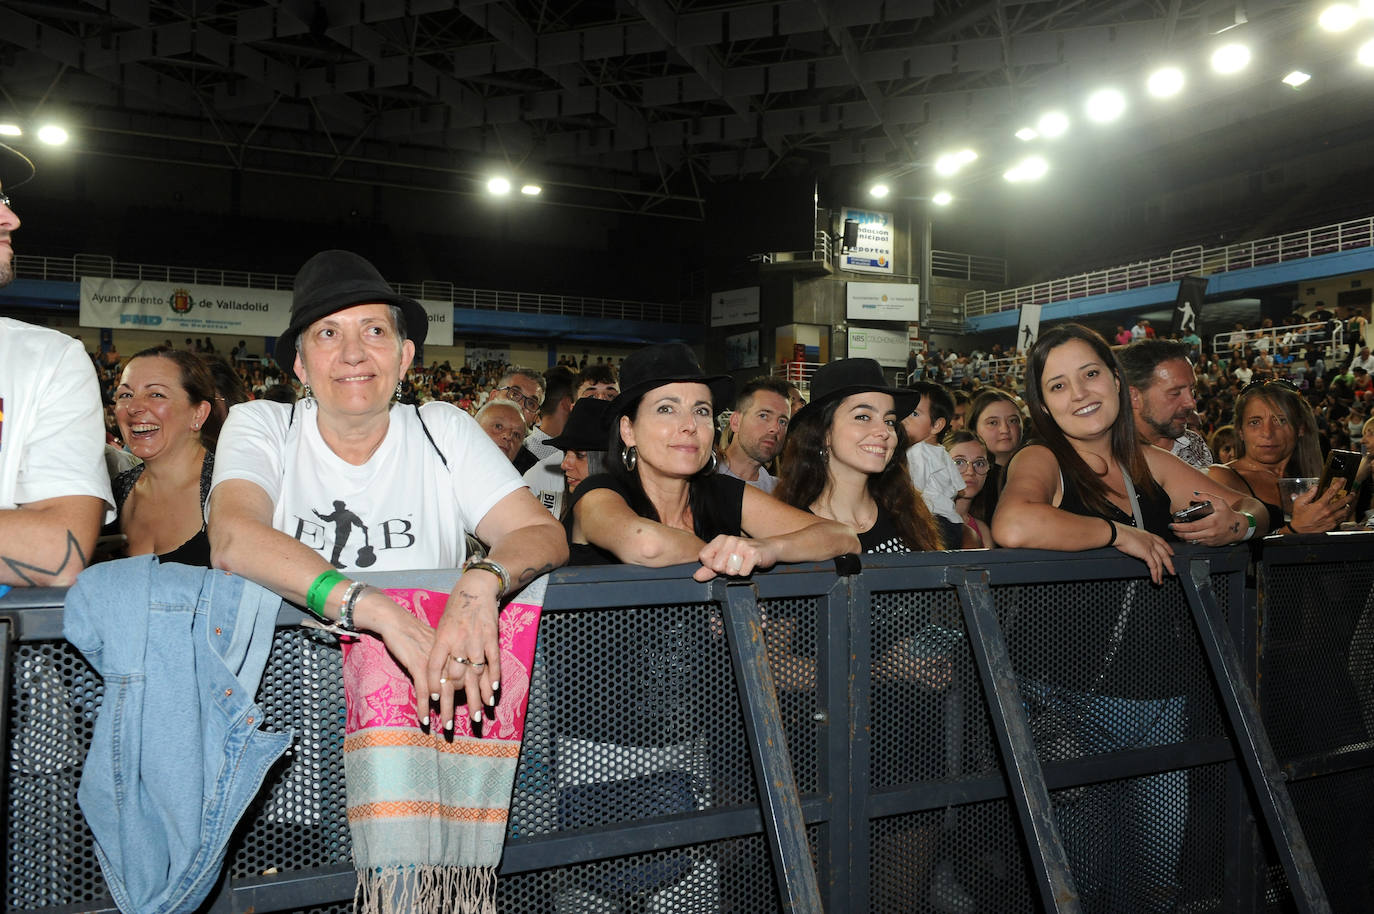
(318, 593)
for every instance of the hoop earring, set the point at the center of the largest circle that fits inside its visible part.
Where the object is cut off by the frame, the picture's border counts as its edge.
(629, 458)
(710, 464)
(308, 398)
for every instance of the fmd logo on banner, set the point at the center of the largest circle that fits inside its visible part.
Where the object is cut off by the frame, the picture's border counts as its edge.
(872, 251)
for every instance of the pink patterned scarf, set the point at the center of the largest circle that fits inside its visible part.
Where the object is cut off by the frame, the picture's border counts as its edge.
(428, 814)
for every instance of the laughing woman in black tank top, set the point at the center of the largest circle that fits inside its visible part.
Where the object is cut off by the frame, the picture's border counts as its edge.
(1087, 458)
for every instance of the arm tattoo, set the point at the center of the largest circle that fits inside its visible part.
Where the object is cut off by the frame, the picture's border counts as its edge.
(529, 574)
(23, 569)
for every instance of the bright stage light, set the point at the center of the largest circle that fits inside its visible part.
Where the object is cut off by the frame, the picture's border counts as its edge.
(942, 198)
(1230, 58)
(1338, 17)
(1052, 124)
(1297, 78)
(1028, 169)
(1026, 134)
(498, 186)
(1165, 82)
(879, 191)
(1105, 106)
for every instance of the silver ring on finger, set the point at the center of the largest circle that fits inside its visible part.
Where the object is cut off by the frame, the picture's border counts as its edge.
(475, 665)
(460, 660)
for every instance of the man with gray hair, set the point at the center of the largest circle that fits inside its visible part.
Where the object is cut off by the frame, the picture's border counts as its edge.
(525, 388)
(1160, 379)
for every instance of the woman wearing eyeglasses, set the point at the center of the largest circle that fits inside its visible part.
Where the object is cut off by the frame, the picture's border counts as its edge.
(1276, 438)
(971, 457)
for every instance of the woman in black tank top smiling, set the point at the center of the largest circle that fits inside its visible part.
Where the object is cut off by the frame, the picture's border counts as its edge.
(1077, 487)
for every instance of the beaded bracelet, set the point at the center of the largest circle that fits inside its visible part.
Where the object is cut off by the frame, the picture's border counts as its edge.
(318, 593)
(346, 606)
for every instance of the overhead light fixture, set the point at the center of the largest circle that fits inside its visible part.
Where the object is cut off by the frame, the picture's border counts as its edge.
(878, 190)
(1365, 54)
(942, 198)
(1338, 17)
(1105, 106)
(1165, 82)
(52, 134)
(951, 162)
(531, 190)
(498, 186)
(1230, 58)
(10, 130)
(1297, 78)
(1052, 124)
(1029, 169)
(1026, 134)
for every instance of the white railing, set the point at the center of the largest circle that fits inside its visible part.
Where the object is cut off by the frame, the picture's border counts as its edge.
(1195, 261)
(1332, 335)
(820, 252)
(71, 269)
(798, 373)
(967, 267)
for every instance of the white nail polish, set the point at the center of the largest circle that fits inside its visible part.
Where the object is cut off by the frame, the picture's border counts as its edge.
(434, 696)
(477, 717)
(424, 721)
(495, 685)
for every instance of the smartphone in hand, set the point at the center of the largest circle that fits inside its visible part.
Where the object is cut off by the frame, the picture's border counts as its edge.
(1340, 466)
(1195, 511)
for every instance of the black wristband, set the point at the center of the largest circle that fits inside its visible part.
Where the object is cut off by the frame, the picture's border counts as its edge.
(1112, 541)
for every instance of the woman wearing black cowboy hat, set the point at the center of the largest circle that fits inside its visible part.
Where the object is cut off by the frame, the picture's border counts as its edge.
(661, 502)
(843, 459)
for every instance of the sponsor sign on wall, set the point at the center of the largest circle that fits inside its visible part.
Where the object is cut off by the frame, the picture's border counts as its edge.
(186, 308)
(735, 306)
(872, 252)
(888, 347)
(883, 301)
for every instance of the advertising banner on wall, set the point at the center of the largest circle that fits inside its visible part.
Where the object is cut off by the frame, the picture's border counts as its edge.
(888, 347)
(735, 306)
(872, 250)
(187, 308)
(742, 350)
(883, 301)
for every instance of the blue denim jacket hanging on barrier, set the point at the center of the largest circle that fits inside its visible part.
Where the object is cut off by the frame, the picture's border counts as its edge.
(177, 754)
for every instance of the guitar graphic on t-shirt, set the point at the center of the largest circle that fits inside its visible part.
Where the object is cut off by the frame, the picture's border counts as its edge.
(344, 521)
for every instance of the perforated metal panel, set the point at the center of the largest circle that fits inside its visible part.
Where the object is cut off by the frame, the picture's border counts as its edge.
(49, 852)
(1317, 698)
(791, 640)
(299, 820)
(719, 876)
(966, 859)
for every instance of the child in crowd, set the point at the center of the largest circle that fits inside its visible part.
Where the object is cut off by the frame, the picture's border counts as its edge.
(933, 471)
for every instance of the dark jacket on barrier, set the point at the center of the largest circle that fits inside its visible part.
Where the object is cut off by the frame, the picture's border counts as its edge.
(177, 754)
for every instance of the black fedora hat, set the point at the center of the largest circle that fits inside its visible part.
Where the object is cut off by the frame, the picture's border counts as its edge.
(15, 167)
(666, 363)
(587, 428)
(844, 377)
(333, 280)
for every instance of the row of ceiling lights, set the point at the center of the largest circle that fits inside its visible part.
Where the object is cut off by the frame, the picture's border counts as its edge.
(51, 134)
(1106, 105)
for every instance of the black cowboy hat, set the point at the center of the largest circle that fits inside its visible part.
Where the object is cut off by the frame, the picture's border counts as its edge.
(666, 363)
(839, 379)
(332, 281)
(15, 167)
(586, 428)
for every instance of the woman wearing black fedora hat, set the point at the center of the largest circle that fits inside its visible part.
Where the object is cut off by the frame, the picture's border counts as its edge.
(841, 459)
(661, 503)
(349, 479)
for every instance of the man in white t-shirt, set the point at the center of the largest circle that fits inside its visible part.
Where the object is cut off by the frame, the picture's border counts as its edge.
(53, 486)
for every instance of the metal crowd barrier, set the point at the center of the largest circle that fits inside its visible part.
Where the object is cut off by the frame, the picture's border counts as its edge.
(943, 732)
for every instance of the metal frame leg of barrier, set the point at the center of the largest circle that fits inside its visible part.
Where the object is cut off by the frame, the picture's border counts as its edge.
(1026, 780)
(777, 786)
(6, 657)
(1252, 742)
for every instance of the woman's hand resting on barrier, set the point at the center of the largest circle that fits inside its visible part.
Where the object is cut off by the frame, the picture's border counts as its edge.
(407, 638)
(1150, 549)
(736, 556)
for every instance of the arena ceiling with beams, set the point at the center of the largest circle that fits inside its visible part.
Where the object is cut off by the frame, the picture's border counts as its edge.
(636, 105)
